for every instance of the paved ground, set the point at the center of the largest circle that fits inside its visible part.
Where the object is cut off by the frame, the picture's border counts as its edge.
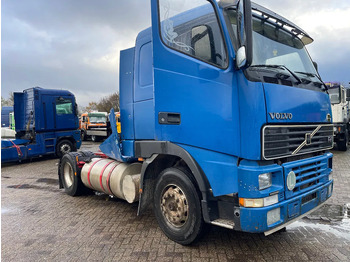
(40, 222)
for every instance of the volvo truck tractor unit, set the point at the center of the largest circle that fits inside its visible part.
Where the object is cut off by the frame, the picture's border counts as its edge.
(340, 98)
(264, 161)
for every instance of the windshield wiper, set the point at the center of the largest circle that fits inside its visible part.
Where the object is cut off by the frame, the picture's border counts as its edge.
(314, 75)
(281, 67)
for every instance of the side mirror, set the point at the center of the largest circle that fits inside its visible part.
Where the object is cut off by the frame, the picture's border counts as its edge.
(348, 94)
(244, 33)
(241, 57)
(315, 65)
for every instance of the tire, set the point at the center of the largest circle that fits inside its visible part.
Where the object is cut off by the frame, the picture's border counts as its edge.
(343, 145)
(177, 206)
(63, 147)
(70, 175)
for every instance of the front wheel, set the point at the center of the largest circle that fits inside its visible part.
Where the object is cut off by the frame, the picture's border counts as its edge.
(64, 147)
(177, 206)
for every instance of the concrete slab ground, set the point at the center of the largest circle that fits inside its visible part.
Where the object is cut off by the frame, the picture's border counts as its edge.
(39, 222)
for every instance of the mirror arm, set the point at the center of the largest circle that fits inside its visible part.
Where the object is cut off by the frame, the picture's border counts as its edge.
(248, 32)
(244, 56)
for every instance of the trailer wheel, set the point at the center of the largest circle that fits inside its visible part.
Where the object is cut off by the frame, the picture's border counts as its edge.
(70, 175)
(177, 206)
(64, 147)
(343, 145)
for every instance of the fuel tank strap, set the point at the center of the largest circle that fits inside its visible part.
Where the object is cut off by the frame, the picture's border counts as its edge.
(88, 174)
(109, 176)
(102, 171)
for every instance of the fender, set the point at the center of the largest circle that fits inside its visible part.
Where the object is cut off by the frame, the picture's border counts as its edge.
(151, 150)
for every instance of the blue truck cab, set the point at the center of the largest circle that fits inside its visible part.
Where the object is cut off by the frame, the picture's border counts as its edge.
(225, 94)
(46, 123)
(224, 112)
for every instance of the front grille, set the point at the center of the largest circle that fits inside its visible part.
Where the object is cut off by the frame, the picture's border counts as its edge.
(285, 141)
(309, 173)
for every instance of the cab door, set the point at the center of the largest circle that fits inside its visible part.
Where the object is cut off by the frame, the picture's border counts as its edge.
(195, 97)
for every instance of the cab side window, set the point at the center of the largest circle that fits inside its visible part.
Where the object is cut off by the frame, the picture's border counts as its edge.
(192, 28)
(64, 106)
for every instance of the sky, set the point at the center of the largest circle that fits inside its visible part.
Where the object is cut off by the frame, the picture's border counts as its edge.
(75, 44)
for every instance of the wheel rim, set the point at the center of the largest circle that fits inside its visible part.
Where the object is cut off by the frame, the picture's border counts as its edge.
(68, 174)
(174, 206)
(65, 148)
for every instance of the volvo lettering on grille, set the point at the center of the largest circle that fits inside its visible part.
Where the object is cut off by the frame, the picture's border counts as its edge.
(281, 116)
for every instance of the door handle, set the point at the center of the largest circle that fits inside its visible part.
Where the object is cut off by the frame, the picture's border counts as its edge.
(167, 118)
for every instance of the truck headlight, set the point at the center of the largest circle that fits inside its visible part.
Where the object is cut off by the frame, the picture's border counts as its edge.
(265, 181)
(259, 202)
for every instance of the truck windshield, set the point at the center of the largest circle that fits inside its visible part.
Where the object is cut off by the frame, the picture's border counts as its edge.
(98, 119)
(334, 95)
(272, 45)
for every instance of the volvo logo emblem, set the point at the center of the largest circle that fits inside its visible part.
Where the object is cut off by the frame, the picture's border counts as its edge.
(307, 141)
(281, 116)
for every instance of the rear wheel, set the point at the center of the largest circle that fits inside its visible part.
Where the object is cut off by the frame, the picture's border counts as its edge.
(70, 175)
(64, 147)
(177, 206)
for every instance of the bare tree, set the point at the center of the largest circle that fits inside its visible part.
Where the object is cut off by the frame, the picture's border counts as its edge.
(7, 102)
(91, 107)
(105, 104)
(109, 102)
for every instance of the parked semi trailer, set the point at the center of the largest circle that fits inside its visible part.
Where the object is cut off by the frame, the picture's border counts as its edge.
(340, 97)
(46, 123)
(264, 161)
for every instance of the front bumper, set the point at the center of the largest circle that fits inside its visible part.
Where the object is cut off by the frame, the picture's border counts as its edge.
(313, 187)
(254, 220)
